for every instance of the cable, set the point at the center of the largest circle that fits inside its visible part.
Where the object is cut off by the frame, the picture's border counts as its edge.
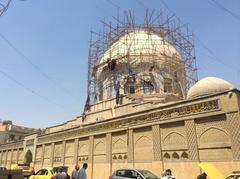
(142, 4)
(26, 59)
(214, 57)
(4, 6)
(114, 4)
(212, 54)
(168, 8)
(220, 6)
(29, 89)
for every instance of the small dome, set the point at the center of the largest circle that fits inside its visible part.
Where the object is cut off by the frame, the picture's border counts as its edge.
(208, 85)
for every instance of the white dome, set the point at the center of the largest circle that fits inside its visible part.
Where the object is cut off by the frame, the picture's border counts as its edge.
(139, 42)
(208, 85)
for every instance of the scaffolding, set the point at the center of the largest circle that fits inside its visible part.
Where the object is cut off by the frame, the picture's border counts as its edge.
(168, 27)
(4, 4)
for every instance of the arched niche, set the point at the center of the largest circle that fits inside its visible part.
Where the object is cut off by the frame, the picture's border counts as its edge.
(28, 157)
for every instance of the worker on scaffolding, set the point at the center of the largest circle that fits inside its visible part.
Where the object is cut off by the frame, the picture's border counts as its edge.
(117, 89)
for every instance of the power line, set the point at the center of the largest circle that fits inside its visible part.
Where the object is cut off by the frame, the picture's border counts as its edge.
(26, 59)
(29, 89)
(4, 6)
(216, 59)
(141, 3)
(237, 70)
(118, 7)
(213, 55)
(220, 6)
(168, 8)
(114, 4)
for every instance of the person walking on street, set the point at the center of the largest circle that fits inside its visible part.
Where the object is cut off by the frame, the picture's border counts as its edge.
(75, 172)
(202, 176)
(169, 174)
(163, 175)
(82, 172)
(60, 174)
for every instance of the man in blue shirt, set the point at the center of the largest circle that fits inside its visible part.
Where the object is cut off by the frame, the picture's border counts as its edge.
(75, 172)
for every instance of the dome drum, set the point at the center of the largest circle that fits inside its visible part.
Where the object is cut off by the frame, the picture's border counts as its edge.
(143, 63)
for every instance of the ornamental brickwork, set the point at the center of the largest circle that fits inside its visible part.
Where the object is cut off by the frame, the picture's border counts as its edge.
(176, 136)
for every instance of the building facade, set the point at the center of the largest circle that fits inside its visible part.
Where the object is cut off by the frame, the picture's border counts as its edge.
(176, 136)
(10, 132)
(141, 115)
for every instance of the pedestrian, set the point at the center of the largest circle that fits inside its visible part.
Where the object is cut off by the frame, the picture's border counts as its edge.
(169, 174)
(75, 172)
(202, 176)
(60, 174)
(82, 172)
(163, 175)
(54, 175)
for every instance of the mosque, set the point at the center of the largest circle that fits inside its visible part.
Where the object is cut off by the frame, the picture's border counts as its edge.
(144, 109)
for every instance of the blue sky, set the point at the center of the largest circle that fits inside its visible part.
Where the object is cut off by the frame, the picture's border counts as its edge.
(54, 35)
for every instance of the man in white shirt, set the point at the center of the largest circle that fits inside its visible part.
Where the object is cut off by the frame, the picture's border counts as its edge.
(163, 175)
(169, 174)
(82, 172)
(75, 172)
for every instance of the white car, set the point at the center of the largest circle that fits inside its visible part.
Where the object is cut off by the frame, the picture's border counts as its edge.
(133, 173)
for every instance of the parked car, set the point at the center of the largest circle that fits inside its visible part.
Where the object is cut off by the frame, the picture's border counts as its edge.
(214, 173)
(48, 173)
(234, 175)
(133, 173)
(27, 170)
(3, 168)
(11, 173)
(45, 173)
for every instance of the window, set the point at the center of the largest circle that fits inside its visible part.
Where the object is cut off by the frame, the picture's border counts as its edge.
(11, 136)
(110, 91)
(129, 88)
(234, 177)
(147, 174)
(167, 85)
(120, 173)
(128, 174)
(148, 87)
(100, 97)
(42, 172)
(136, 174)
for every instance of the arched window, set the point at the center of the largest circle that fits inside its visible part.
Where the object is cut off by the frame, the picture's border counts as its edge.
(148, 87)
(167, 85)
(28, 157)
(166, 156)
(175, 155)
(184, 155)
(110, 91)
(100, 89)
(129, 88)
